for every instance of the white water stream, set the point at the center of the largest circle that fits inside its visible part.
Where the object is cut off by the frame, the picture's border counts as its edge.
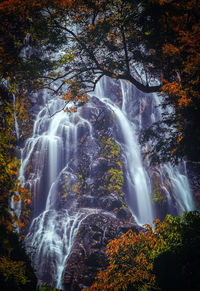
(177, 175)
(47, 154)
(139, 182)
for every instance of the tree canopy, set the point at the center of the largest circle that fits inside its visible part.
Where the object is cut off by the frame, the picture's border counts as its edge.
(177, 49)
(152, 44)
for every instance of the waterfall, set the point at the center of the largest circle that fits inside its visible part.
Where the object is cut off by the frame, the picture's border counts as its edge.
(180, 186)
(129, 118)
(46, 156)
(177, 175)
(138, 180)
(15, 118)
(51, 155)
(15, 206)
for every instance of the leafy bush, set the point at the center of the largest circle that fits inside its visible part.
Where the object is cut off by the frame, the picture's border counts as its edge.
(164, 258)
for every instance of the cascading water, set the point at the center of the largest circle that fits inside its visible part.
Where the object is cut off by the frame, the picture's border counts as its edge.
(138, 180)
(53, 150)
(15, 118)
(177, 175)
(47, 152)
(129, 117)
(180, 186)
(51, 234)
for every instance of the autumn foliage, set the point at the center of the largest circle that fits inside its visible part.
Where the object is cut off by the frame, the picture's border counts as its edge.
(183, 51)
(180, 56)
(15, 269)
(113, 38)
(133, 258)
(130, 263)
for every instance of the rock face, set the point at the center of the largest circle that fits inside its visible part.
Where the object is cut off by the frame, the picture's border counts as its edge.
(80, 187)
(85, 186)
(88, 253)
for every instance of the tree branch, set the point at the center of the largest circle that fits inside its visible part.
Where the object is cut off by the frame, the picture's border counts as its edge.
(104, 71)
(125, 50)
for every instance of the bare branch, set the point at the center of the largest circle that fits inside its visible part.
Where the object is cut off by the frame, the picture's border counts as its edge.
(105, 71)
(50, 116)
(125, 50)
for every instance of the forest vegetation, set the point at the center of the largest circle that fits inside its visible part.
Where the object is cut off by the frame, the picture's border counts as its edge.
(153, 44)
(163, 258)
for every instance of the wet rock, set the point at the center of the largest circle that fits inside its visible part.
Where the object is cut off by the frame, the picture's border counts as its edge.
(83, 130)
(88, 201)
(110, 202)
(90, 148)
(88, 254)
(98, 167)
(68, 195)
(123, 214)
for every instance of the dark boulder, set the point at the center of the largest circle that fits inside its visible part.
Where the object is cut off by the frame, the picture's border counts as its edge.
(88, 254)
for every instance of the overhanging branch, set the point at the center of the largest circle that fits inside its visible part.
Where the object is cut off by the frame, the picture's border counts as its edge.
(105, 71)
